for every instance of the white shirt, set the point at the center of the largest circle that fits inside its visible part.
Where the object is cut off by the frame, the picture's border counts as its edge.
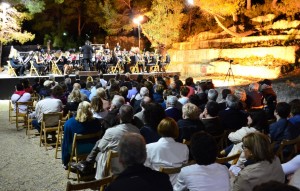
(166, 153)
(100, 115)
(47, 105)
(203, 178)
(24, 98)
(103, 82)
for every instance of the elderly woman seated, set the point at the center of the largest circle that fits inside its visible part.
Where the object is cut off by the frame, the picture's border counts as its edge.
(83, 123)
(166, 152)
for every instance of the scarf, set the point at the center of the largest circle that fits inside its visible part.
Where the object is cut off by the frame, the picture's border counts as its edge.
(20, 93)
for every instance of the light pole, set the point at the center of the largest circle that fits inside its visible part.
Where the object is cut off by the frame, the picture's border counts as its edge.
(4, 6)
(138, 21)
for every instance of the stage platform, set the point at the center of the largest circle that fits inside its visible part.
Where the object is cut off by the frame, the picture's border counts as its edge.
(7, 82)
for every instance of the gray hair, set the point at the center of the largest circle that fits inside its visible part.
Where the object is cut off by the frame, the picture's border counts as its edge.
(212, 95)
(171, 101)
(232, 101)
(253, 86)
(118, 101)
(126, 113)
(132, 149)
(144, 92)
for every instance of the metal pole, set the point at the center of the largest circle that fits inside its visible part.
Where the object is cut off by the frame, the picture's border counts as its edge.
(139, 36)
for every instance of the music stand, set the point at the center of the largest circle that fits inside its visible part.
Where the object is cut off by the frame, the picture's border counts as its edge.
(229, 72)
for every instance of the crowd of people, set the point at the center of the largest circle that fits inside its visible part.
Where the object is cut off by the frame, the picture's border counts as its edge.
(148, 120)
(88, 58)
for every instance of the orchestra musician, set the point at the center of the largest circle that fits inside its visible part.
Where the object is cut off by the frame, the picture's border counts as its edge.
(15, 63)
(87, 51)
(117, 47)
(38, 62)
(140, 62)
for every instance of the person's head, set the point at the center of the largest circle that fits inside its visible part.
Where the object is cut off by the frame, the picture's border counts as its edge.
(295, 107)
(274, 186)
(117, 101)
(101, 93)
(68, 81)
(189, 81)
(57, 91)
(89, 79)
(212, 108)
(203, 148)
(283, 110)
(212, 95)
(97, 104)
(171, 101)
(126, 113)
(75, 95)
(83, 84)
(194, 99)
(232, 101)
(123, 91)
(257, 147)
(145, 100)
(19, 87)
(84, 112)
(144, 91)
(153, 114)
(253, 86)
(168, 128)
(184, 91)
(77, 86)
(225, 92)
(132, 149)
(241, 94)
(190, 111)
(51, 77)
(258, 119)
(159, 88)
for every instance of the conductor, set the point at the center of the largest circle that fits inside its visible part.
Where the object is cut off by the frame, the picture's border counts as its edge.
(87, 51)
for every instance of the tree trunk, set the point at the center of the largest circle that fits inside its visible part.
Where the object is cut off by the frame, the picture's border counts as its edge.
(235, 22)
(274, 3)
(79, 24)
(249, 4)
(231, 32)
(1, 69)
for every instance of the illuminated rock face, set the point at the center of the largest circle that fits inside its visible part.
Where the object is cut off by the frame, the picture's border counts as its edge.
(203, 61)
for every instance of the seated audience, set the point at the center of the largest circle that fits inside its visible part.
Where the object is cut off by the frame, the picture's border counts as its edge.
(190, 122)
(184, 91)
(241, 94)
(172, 108)
(83, 123)
(232, 117)
(261, 166)
(254, 97)
(153, 114)
(211, 120)
(73, 101)
(222, 103)
(295, 118)
(137, 177)
(206, 174)
(97, 108)
(212, 95)
(20, 95)
(138, 118)
(166, 152)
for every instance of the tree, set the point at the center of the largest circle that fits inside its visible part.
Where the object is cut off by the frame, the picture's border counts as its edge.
(164, 22)
(221, 9)
(10, 28)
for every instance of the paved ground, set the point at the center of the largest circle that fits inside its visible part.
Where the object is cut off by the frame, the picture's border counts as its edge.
(24, 165)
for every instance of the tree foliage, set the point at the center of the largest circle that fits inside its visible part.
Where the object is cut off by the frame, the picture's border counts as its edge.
(11, 27)
(164, 22)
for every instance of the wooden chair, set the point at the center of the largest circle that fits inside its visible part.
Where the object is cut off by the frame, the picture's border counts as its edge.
(285, 143)
(55, 69)
(28, 104)
(135, 68)
(220, 141)
(76, 155)
(33, 69)
(11, 112)
(29, 128)
(186, 142)
(61, 124)
(114, 68)
(110, 156)
(11, 70)
(50, 122)
(234, 158)
(93, 185)
(170, 170)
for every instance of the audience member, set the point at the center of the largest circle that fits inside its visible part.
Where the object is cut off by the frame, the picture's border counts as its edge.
(137, 177)
(172, 108)
(138, 118)
(222, 103)
(262, 166)
(97, 108)
(166, 152)
(20, 95)
(206, 174)
(83, 123)
(254, 97)
(211, 120)
(190, 122)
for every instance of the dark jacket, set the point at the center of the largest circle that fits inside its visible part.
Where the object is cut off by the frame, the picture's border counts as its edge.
(233, 119)
(140, 178)
(87, 51)
(187, 127)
